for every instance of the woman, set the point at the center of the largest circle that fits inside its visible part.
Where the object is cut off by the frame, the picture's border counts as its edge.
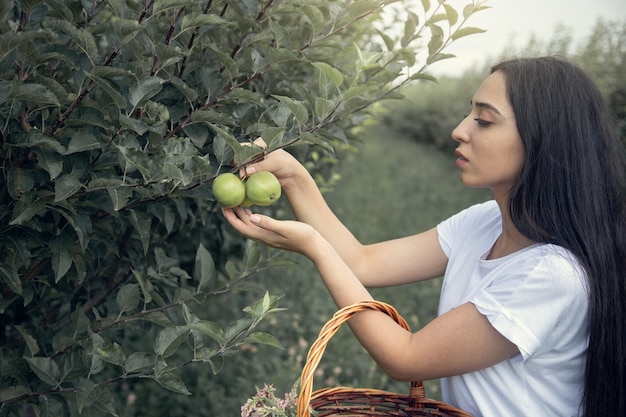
(531, 317)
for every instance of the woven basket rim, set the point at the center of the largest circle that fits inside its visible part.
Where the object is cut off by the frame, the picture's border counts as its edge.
(370, 398)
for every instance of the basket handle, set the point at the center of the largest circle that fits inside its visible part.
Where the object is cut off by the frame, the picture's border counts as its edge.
(330, 328)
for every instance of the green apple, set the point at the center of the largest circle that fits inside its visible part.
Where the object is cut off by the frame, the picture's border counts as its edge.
(228, 190)
(262, 189)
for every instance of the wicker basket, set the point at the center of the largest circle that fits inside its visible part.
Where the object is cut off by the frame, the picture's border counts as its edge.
(345, 401)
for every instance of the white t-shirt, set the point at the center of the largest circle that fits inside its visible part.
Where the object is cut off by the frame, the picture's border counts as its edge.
(537, 299)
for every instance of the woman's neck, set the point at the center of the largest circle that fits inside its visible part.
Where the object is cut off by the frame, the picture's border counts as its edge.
(510, 240)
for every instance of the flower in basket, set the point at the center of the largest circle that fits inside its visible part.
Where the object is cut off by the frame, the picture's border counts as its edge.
(265, 403)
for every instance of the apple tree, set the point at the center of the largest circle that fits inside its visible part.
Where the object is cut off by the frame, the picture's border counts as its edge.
(115, 117)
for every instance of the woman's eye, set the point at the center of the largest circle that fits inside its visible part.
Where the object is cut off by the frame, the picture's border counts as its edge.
(481, 122)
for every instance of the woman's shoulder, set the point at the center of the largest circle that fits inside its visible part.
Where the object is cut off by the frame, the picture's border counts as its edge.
(475, 216)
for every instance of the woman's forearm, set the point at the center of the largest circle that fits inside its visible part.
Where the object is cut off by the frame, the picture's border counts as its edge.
(309, 207)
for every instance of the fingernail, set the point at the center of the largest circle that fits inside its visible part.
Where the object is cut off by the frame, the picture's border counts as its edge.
(250, 170)
(255, 218)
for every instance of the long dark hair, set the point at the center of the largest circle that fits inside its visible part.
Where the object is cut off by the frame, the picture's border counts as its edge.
(572, 192)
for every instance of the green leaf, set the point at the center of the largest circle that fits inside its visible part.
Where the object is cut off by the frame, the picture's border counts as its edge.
(109, 72)
(189, 93)
(80, 321)
(212, 116)
(142, 224)
(97, 342)
(299, 111)
(90, 395)
(196, 20)
(28, 206)
(236, 330)
(189, 315)
(471, 8)
(125, 30)
(52, 408)
(272, 136)
(162, 5)
(439, 57)
(389, 42)
(410, 26)
(277, 56)
(11, 40)
(119, 196)
(426, 5)
(36, 94)
(112, 353)
(128, 297)
(424, 76)
(173, 383)
(11, 279)
(211, 329)
(227, 62)
(66, 186)
(465, 32)
(61, 255)
(31, 342)
(239, 95)
(436, 39)
(263, 338)
(224, 145)
(452, 14)
(20, 181)
(85, 393)
(15, 391)
(118, 99)
(135, 125)
(157, 317)
(252, 254)
(145, 285)
(51, 161)
(168, 340)
(36, 138)
(332, 73)
(216, 362)
(82, 141)
(362, 7)
(45, 369)
(204, 269)
(169, 55)
(82, 38)
(144, 90)
(315, 16)
(138, 361)
(313, 139)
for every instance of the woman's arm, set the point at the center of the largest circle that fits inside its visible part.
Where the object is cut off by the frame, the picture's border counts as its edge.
(393, 262)
(457, 342)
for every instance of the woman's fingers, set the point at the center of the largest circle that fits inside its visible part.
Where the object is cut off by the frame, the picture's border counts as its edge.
(249, 224)
(283, 234)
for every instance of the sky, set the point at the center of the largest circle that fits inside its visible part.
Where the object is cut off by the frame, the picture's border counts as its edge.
(514, 22)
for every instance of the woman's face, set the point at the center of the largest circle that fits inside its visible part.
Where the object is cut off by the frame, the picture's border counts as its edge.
(490, 151)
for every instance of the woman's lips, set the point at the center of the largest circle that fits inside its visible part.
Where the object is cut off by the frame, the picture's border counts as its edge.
(460, 158)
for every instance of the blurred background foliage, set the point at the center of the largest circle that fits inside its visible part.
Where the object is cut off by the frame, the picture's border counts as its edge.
(435, 109)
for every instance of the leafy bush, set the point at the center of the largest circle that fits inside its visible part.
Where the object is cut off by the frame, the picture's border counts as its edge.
(114, 119)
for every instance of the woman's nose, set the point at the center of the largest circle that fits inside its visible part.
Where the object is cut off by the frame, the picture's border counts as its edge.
(459, 133)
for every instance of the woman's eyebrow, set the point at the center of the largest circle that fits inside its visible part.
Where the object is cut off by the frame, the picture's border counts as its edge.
(487, 106)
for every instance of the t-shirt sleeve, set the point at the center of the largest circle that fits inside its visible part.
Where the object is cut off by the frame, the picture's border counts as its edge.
(454, 227)
(537, 304)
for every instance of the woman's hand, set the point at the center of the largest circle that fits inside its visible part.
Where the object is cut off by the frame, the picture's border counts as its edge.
(283, 234)
(279, 162)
